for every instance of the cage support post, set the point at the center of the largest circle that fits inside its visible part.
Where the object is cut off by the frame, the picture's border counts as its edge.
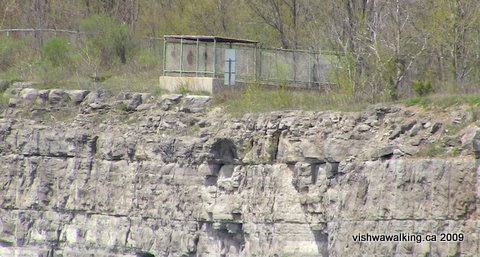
(255, 59)
(214, 57)
(164, 56)
(196, 58)
(181, 57)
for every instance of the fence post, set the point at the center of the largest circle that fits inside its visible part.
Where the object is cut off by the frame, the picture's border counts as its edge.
(164, 55)
(214, 57)
(181, 57)
(310, 69)
(260, 63)
(255, 59)
(196, 59)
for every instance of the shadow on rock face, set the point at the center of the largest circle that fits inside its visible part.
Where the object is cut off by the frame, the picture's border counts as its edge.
(144, 254)
(223, 151)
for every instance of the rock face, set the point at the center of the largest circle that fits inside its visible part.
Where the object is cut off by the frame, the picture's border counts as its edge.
(90, 174)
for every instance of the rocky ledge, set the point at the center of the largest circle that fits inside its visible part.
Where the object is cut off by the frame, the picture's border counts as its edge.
(95, 174)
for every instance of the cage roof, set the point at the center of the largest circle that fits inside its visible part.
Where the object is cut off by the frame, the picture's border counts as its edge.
(210, 39)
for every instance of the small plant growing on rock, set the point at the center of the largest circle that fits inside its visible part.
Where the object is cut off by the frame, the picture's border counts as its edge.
(422, 87)
(193, 130)
(431, 150)
(3, 101)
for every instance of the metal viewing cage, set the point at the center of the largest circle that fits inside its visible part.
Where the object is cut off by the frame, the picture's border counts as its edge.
(244, 60)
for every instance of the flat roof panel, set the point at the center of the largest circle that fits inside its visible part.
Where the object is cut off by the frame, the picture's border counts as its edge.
(210, 39)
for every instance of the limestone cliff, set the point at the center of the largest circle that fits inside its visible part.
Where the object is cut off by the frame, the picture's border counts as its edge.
(93, 174)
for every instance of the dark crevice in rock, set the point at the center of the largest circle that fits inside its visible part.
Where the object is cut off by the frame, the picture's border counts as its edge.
(211, 180)
(223, 151)
(314, 170)
(321, 239)
(128, 231)
(331, 169)
(144, 254)
(274, 143)
(92, 146)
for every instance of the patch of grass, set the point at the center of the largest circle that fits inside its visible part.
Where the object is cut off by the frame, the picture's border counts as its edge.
(141, 83)
(456, 151)
(121, 106)
(475, 100)
(193, 130)
(10, 74)
(184, 89)
(431, 150)
(66, 115)
(420, 101)
(67, 84)
(443, 101)
(3, 102)
(448, 101)
(146, 82)
(131, 120)
(453, 128)
(257, 98)
(474, 113)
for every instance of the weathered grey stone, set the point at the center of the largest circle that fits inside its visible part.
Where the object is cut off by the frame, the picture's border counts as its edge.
(195, 104)
(172, 97)
(395, 133)
(144, 107)
(56, 96)
(98, 106)
(13, 92)
(384, 152)
(363, 128)
(406, 127)
(416, 141)
(146, 97)
(77, 96)
(29, 94)
(14, 102)
(167, 101)
(134, 102)
(435, 127)
(415, 129)
(42, 96)
(97, 96)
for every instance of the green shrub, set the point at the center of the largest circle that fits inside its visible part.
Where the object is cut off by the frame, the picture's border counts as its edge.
(422, 87)
(57, 51)
(108, 38)
(8, 50)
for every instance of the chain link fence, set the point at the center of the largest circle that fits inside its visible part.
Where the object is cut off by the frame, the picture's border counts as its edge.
(307, 69)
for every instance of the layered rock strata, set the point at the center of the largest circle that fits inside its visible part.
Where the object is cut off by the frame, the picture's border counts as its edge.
(94, 174)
